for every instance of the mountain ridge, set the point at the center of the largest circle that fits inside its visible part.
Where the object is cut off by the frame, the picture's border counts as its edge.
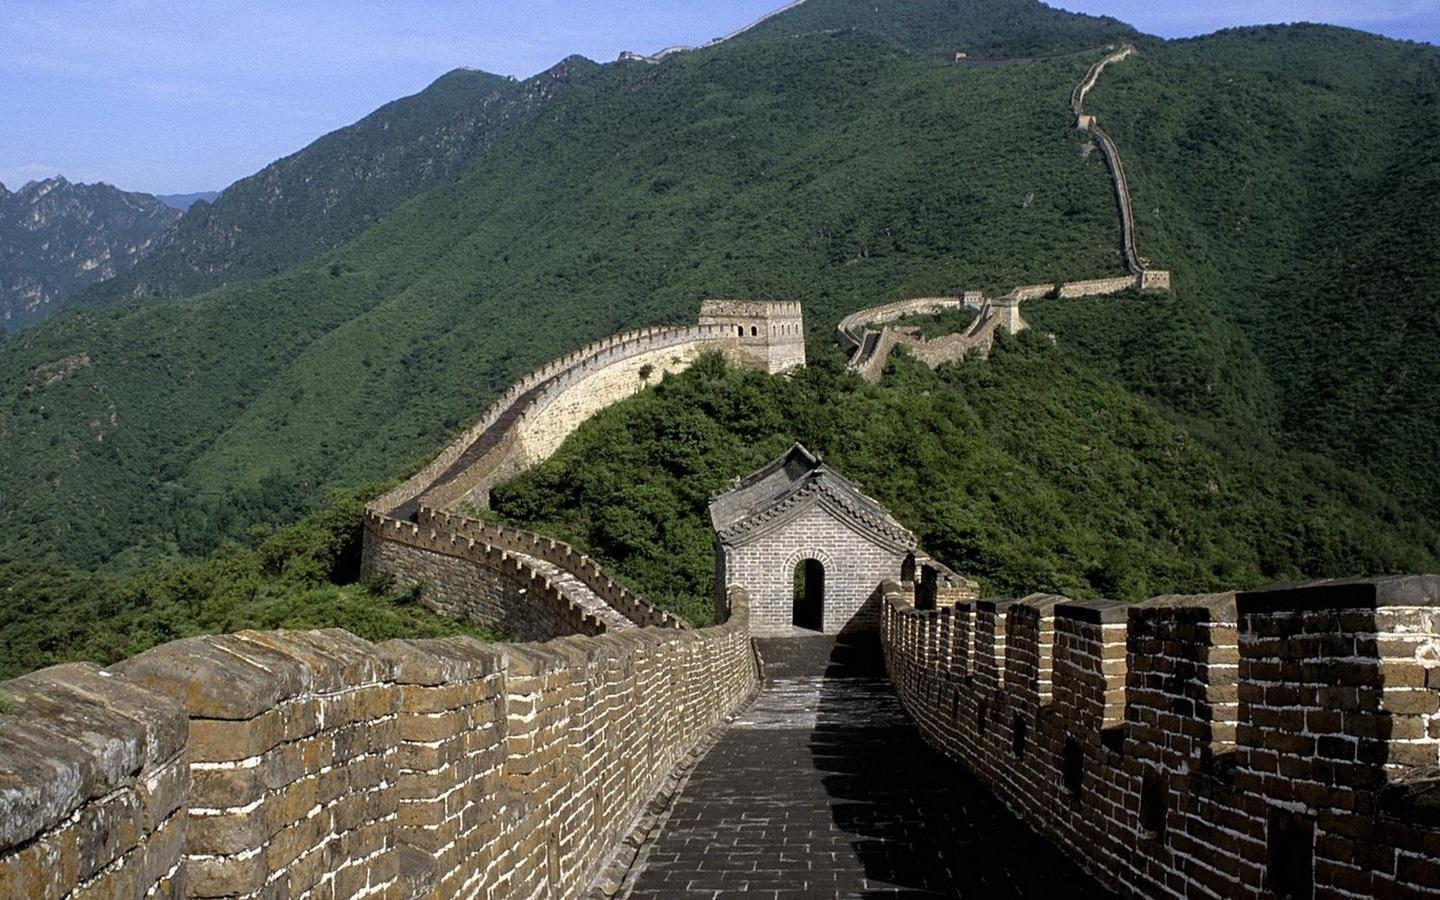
(57, 237)
(337, 186)
(839, 167)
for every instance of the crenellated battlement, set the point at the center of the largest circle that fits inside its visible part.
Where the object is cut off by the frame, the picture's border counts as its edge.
(1284, 741)
(525, 585)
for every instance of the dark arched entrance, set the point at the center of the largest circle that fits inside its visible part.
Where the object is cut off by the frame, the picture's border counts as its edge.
(809, 610)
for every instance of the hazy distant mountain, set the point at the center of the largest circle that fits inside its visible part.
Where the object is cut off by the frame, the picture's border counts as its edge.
(57, 237)
(183, 202)
(331, 191)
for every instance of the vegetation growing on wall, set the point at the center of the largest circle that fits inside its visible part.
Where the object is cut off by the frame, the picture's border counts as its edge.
(1026, 471)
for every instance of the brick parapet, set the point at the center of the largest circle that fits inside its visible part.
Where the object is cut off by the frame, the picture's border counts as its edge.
(938, 587)
(310, 764)
(535, 415)
(563, 372)
(851, 329)
(627, 602)
(1212, 746)
(467, 579)
(476, 572)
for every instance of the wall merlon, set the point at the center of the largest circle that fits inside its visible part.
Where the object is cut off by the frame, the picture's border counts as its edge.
(1242, 717)
(242, 679)
(1097, 612)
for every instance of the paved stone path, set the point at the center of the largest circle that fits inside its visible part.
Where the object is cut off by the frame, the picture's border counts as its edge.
(822, 789)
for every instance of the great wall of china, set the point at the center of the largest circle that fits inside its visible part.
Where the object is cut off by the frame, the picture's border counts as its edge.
(1276, 743)
(659, 57)
(872, 347)
(1266, 744)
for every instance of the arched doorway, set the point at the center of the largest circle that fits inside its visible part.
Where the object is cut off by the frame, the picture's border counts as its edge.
(809, 603)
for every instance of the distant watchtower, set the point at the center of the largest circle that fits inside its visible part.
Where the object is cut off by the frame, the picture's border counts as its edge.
(769, 334)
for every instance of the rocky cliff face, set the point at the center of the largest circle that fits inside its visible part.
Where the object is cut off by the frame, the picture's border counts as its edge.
(57, 237)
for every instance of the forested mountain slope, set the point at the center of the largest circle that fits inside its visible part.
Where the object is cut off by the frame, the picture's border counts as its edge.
(830, 156)
(331, 191)
(1027, 471)
(1288, 175)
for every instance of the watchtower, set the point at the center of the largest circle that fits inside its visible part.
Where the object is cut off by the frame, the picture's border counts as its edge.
(769, 334)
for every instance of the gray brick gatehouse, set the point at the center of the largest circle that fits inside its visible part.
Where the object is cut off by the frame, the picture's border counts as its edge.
(807, 546)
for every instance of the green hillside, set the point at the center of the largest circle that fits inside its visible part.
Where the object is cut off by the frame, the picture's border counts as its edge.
(331, 191)
(1026, 471)
(841, 157)
(1288, 176)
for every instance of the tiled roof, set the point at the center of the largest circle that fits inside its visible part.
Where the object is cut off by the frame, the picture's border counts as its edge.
(791, 485)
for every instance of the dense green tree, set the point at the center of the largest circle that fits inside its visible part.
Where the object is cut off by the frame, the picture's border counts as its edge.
(1026, 471)
(302, 575)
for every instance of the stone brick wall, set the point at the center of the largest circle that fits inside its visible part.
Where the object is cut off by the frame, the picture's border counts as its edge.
(935, 585)
(1273, 743)
(505, 406)
(850, 331)
(769, 334)
(1098, 287)
(632, 605)
(472, 581)
(293, 739)
(535, 415)
(547, 406)
(93, 787)
(872, 348)
(319, 765)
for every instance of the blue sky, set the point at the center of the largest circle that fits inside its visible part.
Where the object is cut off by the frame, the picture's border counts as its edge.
(172, 96)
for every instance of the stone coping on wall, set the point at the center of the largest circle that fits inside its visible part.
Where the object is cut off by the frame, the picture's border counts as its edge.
(1350, 593)
(506, 549)
(74, 734)
(276, 763)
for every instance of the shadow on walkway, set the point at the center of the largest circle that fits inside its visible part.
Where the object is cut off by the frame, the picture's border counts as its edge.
(823, 790)
(922, 824)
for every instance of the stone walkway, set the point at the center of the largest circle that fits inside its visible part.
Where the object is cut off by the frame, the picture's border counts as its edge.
(822, 789)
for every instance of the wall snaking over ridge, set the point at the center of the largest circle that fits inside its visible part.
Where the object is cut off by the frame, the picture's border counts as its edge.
(316, 764)
(872, 348)
(525, 585)
(503, 442)
(1282, 742)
